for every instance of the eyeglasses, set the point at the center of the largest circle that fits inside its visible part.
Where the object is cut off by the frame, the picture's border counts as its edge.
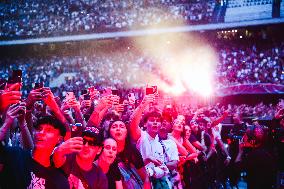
(90, 142)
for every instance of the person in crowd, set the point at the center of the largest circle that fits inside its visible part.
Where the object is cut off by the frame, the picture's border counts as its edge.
(170, 151)
(258, 162)
(106, 161)
(129, 159)
(148, 142)
(222, 155)
(76, 156)
(184, 146)
(34, 170)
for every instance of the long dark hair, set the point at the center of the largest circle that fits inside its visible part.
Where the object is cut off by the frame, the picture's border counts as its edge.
(127, 139)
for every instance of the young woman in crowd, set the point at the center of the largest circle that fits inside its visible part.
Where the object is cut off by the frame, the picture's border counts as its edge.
(185, 148)
(107, 163)
(129, 159)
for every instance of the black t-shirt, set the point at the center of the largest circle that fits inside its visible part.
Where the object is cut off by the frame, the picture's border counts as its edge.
(93, 179)
(113, 175)
(260, 167)
(131, 156)
(21, 171)
(193, 138)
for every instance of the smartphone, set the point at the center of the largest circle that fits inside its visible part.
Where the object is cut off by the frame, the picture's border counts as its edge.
(69, 95)
(84, 91)
(87, 96)
(114, 92)
(75, 127)
(155, 89)
(16, 77)
(149, 90)
(38, 85)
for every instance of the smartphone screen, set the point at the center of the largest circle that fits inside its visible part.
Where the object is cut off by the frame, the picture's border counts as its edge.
(38, 85)
(149, 90)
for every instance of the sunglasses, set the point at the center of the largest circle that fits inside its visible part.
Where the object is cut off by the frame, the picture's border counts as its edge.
(90, 142)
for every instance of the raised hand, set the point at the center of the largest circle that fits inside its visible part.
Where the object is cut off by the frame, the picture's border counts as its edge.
(16, 111)
(148, 99)
(10, 96)
(34, 95)
(49, 98)
(72, 145)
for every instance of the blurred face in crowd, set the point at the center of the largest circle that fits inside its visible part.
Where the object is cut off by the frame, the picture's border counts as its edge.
(202, 125)
(236, 118)
(194, 127)
(181, 118)
(178, 125)
(187, 132)
(164, 129)
(213, 115)
(46, 136)
(109, 151)
(153, 124)
(118, 131)
(130, 108)
(90, 149)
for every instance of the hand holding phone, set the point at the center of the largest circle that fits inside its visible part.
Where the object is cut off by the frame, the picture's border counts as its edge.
(131, 98)
(87, 97)
(9, 96)
(38, 85)
(16, 111)
(69, 96)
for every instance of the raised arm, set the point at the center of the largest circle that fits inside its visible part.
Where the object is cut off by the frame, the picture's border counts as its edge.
(49, 100)
(99, 112)
(71, 145)
(135, 131)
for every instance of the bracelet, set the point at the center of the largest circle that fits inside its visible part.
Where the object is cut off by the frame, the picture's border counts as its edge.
(229, 158)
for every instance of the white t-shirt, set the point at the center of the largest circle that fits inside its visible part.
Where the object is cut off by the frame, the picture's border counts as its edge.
(150, 147)
(171, 150)
(216, 131)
